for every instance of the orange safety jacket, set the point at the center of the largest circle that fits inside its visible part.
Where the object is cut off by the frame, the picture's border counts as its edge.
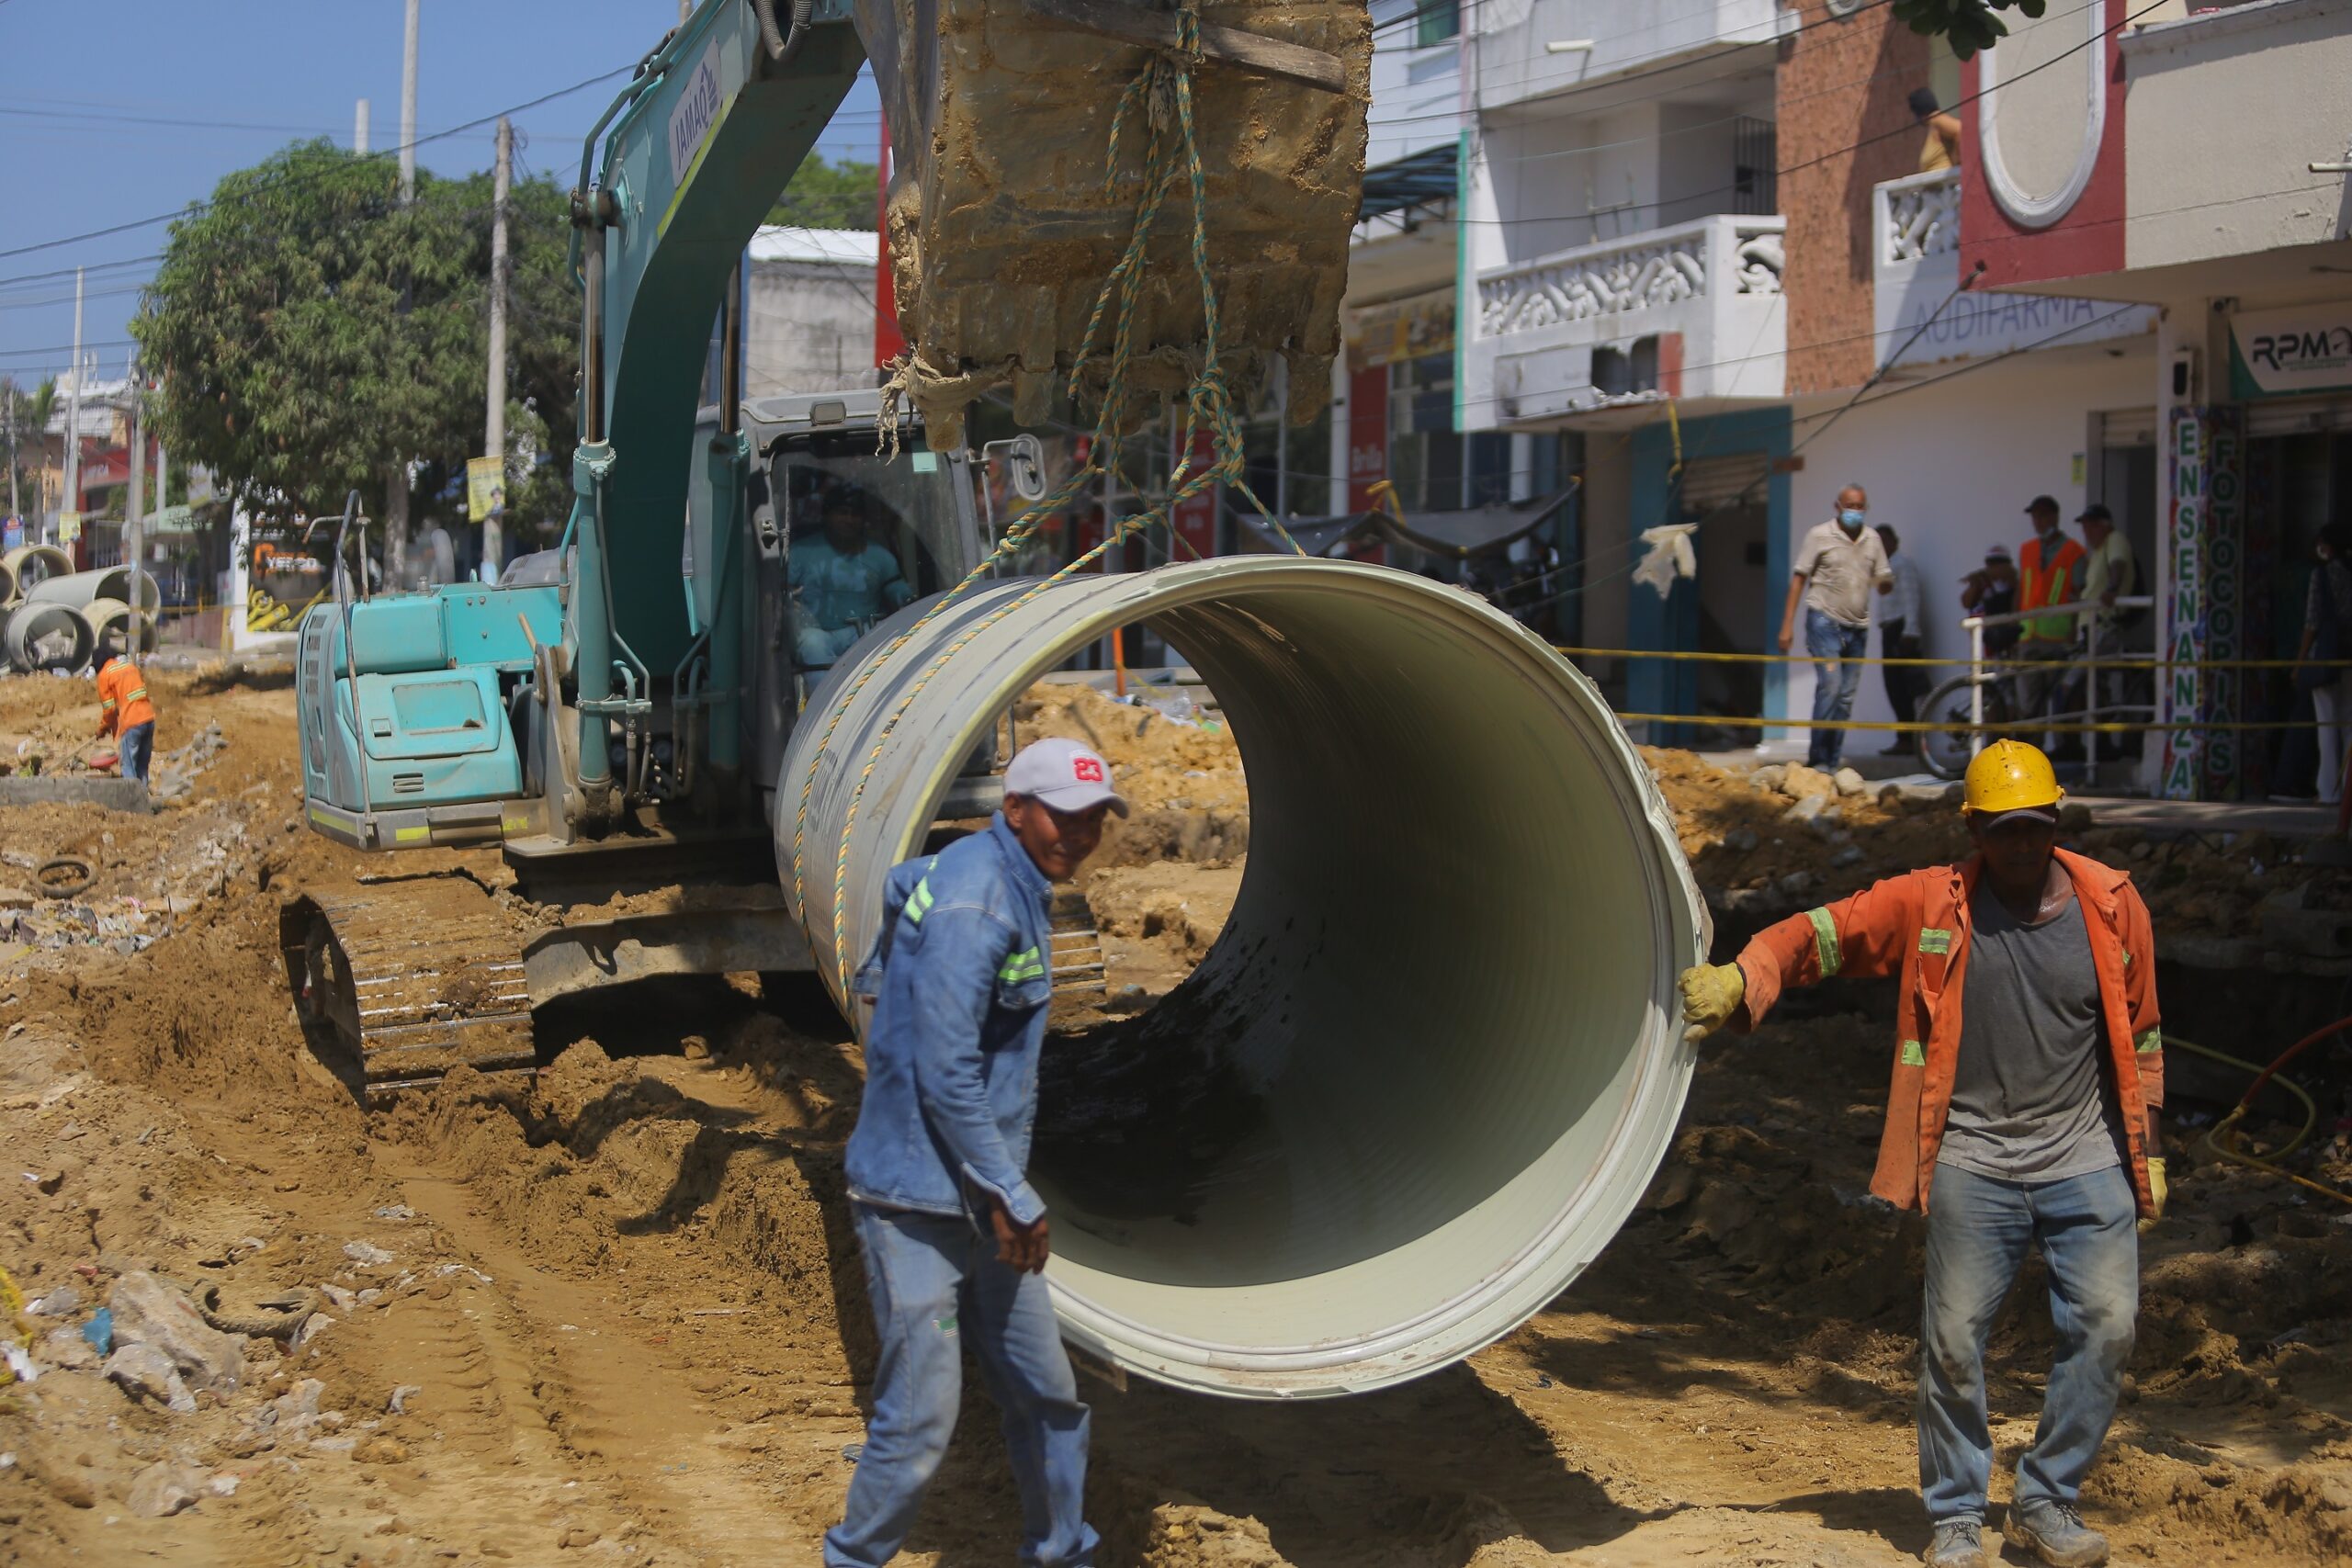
(2041, 584)
(123, 698)
(1918, 924)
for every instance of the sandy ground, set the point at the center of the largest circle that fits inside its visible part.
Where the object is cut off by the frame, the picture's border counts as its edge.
(615, 1316)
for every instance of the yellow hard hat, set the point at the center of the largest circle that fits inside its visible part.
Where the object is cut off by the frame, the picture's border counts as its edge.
(2009, 776)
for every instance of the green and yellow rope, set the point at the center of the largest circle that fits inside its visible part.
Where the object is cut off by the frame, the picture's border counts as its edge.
(1166, 79)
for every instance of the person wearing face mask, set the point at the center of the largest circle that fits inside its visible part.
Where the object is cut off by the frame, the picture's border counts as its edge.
(1837, 564)
(2049, 572)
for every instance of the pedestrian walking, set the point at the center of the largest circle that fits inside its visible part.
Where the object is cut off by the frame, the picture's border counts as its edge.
(2028, 1076)
(2328, 613)
(1838, 562)
(955, 1238)
(126, 713)
(1900, 634)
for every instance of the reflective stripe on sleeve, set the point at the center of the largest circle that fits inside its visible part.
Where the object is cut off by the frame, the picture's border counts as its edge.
(104, 703)
(1934, 938)
(1023, 965)
(2149, 1040)
(1824, 941)
(919, 902)
(139, 695)
(1913, 1054)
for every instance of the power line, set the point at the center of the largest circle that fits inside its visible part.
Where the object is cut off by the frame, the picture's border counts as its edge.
(1820, 158)
(491, 118)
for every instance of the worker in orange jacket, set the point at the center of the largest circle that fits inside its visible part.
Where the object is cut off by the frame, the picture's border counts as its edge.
(125, 713)
(2028, 1074)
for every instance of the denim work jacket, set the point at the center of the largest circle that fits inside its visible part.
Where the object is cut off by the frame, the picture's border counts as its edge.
(959, 978)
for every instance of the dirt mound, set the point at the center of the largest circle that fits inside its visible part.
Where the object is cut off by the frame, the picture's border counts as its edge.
(1175, 762)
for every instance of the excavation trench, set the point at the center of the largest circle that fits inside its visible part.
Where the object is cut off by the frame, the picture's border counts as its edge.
(1431, 1060)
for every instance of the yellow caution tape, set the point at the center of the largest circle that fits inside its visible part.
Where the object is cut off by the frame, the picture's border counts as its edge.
(2009, 665)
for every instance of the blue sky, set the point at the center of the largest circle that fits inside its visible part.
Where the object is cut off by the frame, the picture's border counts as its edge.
(82, 86)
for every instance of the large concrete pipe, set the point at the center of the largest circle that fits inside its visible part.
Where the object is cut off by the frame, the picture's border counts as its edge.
(112, 628)
(28, 565)
(81, 588)
(45, 636)
(1434, 1057)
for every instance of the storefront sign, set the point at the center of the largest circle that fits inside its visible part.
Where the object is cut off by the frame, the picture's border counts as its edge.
(2204, 619)
(284, 578)
(1402, 329)
(2281, 352)
(485, 488)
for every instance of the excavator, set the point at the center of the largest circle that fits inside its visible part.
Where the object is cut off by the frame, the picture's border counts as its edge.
(1434, 1056)
(585, 762)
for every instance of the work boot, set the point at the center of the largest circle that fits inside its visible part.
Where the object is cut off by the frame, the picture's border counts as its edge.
(1957, 1544)
(2055, 1533)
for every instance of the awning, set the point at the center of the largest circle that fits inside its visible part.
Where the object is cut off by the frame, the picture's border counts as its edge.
(1421, 179)
(1480, 530)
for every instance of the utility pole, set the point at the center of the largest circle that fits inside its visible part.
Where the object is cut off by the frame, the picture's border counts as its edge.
(14, 510)
(493, 541)
(134, 511)
(408, 110)
(360, 129)
(396, 487)
(72, 499)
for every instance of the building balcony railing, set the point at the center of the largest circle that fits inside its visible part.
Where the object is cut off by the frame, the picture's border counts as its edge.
(1665, 267)
(1922, 315)
(1917, 216)
(1694, 310)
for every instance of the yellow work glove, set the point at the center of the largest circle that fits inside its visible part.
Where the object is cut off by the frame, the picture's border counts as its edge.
(2157, 1189)
(1711, 994)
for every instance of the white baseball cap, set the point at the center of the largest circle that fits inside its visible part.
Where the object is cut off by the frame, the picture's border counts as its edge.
(1065, 775)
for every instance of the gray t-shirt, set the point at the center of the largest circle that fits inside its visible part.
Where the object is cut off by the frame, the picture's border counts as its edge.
(1841, 571)
(2028, 1102)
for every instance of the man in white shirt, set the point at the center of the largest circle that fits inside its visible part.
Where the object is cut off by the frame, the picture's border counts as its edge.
(1900, 633)
(1837, 564)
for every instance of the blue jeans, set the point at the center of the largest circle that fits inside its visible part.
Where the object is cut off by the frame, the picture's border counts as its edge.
(1978, 1229)
(929, 1276)
(1833, 645)
(137, 745)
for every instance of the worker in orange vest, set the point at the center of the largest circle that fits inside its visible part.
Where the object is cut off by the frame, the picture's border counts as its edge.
(2025, 1086)
(125, 713)
(2049, 572)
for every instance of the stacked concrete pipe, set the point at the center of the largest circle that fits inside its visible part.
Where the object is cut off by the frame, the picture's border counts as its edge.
(115, 628)
(26, 566)
(46, 636)
(1434, 1057)
(80, 589)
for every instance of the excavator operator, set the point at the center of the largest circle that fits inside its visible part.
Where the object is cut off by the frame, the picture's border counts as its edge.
(2026, 1080)
(842, 583)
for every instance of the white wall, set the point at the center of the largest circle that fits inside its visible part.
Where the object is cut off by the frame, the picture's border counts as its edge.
(811, 327)
(1416, 92)
(2224, 114)
(1951, 467)
(1514, 65)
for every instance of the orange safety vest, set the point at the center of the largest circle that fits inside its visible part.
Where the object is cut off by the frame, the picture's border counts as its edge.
(2040, 585)
(123, 698)
(1918, 925)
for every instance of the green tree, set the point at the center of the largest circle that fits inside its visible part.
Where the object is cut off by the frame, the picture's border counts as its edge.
(23, 416)
(1968, 25)
(828, 196)
(312, 332)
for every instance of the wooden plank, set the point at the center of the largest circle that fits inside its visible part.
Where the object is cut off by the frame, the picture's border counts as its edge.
(1251, 52)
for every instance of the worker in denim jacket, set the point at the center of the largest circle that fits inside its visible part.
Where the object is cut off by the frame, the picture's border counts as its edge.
(953, 1234)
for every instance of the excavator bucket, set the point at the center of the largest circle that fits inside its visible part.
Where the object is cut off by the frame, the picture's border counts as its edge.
(1003, 227)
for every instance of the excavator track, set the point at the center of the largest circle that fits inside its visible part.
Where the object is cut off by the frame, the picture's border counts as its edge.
(409, 977)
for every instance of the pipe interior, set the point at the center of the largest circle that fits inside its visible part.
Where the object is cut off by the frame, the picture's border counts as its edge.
(1411, 1054)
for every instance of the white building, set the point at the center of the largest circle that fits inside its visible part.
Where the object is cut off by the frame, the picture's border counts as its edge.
(810, 323)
